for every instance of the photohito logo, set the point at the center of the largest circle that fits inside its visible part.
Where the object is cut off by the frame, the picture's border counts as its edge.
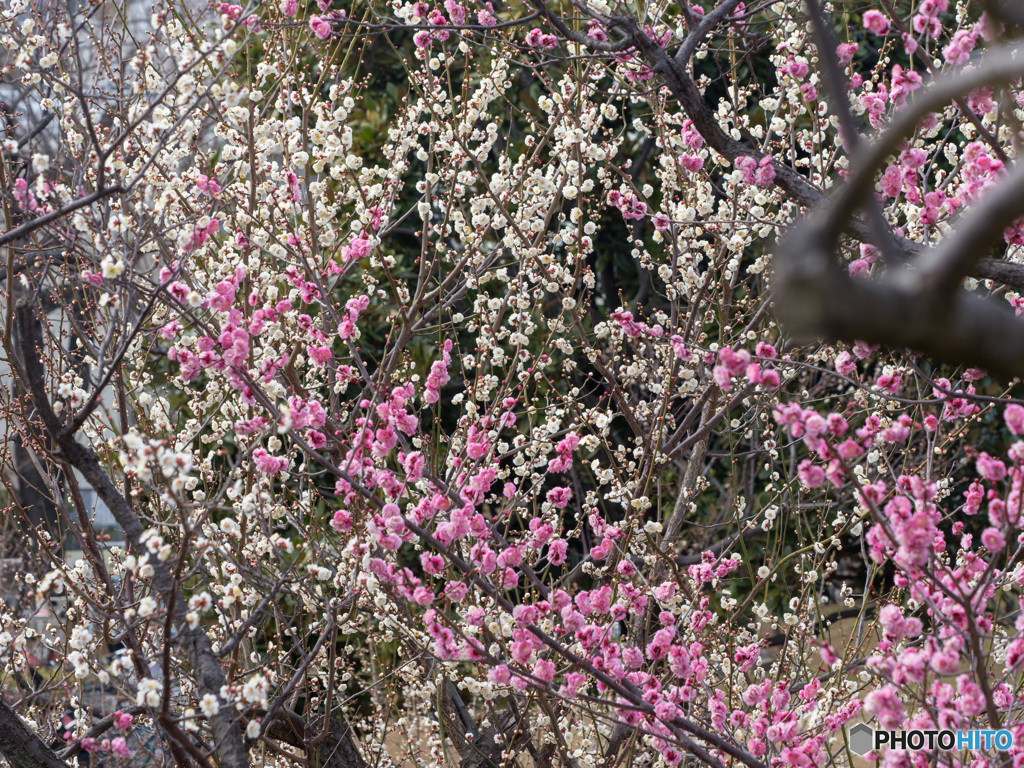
(862, 739)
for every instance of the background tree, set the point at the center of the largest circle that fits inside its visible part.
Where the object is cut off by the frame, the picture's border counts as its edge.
(427, 358)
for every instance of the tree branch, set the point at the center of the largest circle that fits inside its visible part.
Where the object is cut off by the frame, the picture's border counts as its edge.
(337, 749)
(815, 299)
(206, 670)
(20, 745)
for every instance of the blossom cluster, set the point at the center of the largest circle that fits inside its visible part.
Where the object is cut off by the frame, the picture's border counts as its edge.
(482, 385)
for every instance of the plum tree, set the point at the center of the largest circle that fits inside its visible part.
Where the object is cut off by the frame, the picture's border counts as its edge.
(577, 383)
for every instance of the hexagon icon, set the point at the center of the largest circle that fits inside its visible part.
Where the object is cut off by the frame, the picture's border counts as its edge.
(861, 738)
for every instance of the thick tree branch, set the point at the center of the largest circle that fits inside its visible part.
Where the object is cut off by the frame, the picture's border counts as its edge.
(1006, 272)
(816, 299)
(944, 267)
(336, 750)
(20, 745)
(918, 306)
(999, 67)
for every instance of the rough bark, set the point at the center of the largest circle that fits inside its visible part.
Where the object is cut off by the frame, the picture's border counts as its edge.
(337, 749)
(19, 744)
